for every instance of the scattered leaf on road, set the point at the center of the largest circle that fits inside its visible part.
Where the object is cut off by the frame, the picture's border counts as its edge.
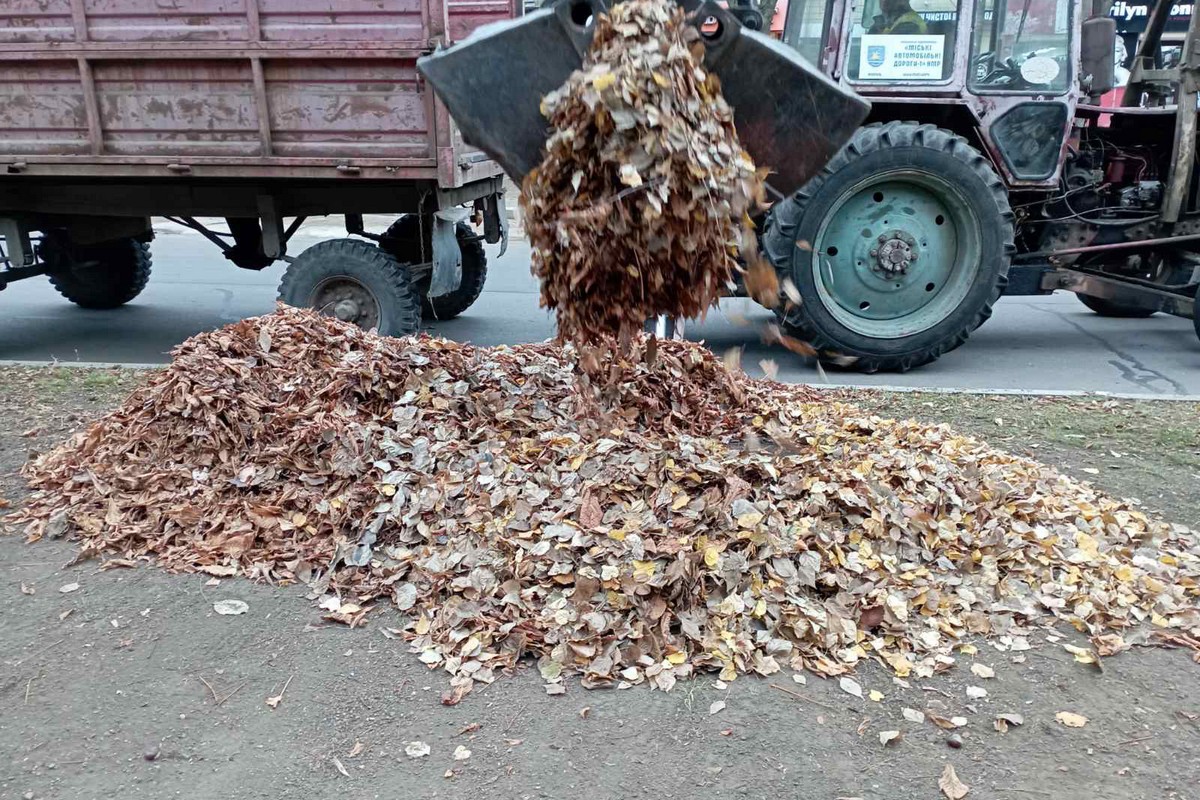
(461, 753)
(951, 786)
(851, 686)
(67, 588)
(716, 707)
(982, 670)
(1004, 720)
(416, 749)
(1071, 719)
(885, 737)
(230, 608)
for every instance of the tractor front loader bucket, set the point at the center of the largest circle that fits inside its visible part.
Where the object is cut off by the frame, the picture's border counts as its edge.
(789, 117)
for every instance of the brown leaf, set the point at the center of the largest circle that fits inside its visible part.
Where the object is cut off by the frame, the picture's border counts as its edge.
(951, 786)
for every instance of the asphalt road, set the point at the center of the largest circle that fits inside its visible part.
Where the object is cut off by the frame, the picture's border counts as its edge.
(1040, 344)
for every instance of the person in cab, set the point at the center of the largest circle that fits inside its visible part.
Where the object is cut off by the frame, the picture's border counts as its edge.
(898, 18)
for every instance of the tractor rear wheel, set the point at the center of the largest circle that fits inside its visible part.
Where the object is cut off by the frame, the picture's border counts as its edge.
(898, 248)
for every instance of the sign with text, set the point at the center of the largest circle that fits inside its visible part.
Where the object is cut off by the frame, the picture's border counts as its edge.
(896, 57)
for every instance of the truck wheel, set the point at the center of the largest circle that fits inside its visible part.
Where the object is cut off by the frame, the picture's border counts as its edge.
(898, 248)
(1111, 308)
(99, 276)
(356, 282)
(403, 240)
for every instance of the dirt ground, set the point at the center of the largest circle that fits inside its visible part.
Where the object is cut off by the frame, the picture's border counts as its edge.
(131, 686)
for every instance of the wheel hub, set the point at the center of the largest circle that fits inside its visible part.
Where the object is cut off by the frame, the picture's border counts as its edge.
(348, 300)
(896, 252)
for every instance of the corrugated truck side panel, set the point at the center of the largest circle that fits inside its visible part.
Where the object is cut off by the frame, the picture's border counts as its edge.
(263, 88)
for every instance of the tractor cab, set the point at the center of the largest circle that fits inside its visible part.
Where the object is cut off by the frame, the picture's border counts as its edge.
(1004, 68)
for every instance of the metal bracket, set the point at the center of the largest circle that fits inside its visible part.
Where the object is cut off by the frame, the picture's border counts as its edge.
(274, 241)
(16, 237)
(447, 256)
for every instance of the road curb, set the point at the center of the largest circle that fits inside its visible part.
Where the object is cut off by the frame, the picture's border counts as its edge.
(1079, 393)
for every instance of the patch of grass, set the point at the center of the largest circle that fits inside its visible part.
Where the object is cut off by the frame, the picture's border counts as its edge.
(57, 385)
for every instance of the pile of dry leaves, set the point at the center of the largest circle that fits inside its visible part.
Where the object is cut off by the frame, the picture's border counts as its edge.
(642, 203)
(680, 518)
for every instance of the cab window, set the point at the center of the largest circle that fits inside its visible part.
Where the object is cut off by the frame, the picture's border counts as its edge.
(1021, 46)
(899, 41)
(805, 26)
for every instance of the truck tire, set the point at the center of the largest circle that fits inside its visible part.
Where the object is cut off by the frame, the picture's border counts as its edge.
(356, 282)
(1112, 308)
(899, 248)
(99, 276)
(403, 240)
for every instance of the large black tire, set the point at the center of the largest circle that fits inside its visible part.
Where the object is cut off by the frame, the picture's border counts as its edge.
(904, 153)
(356, 282)
(1110, 308)
(403, 240)
(99, 276)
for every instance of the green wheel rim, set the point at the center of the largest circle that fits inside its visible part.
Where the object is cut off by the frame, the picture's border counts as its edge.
(896, 254)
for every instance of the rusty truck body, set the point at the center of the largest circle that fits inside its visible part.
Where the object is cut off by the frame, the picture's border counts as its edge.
(261, 112)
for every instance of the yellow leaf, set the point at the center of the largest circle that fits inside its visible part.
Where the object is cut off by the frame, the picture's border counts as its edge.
(618, 535)
(1082, 654)
(711, 557)
(875, 695)
(577, 461)
(644, 569)
(603, 81)
(968, 649)
(680, 501)
(299, 520)
(387, 490)
(677, 658)
(1071, 719)
(728, 673)
(661, 80)
(760, 608)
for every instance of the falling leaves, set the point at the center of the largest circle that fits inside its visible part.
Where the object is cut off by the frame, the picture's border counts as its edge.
(1071, 719)
(912, 715)
(644, 198)
(717, 707)
(851, 686)
(951, 786)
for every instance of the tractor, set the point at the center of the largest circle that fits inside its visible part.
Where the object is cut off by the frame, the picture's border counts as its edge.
(997, 159)
(997, 156)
